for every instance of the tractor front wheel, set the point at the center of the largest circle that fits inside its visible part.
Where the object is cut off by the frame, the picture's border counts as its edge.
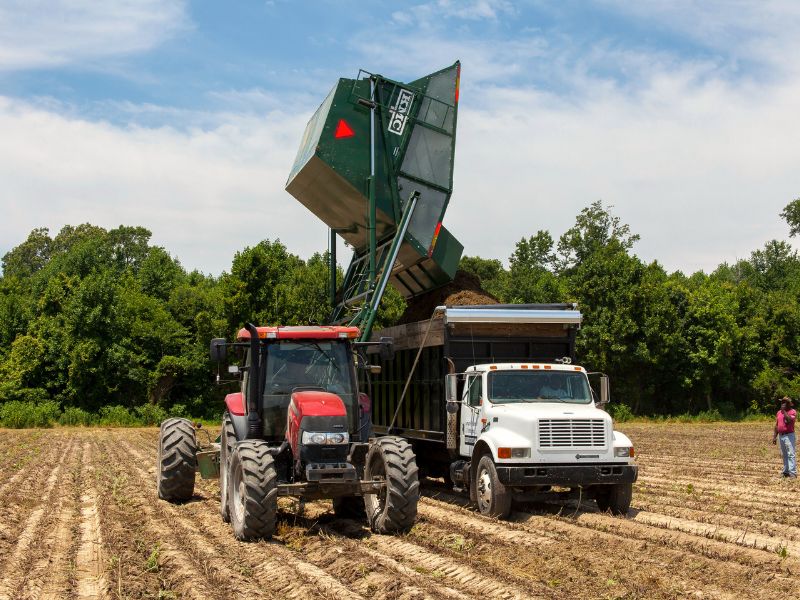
(391, 460)
(177, 460)
(252, 491)
(227, 439)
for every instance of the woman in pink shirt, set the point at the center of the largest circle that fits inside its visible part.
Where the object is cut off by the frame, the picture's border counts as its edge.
(784, 429)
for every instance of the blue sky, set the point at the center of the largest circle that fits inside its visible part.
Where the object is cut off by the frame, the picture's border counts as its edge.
(185, 116)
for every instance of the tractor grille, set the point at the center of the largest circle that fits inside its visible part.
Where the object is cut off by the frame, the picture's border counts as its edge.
(572, 433)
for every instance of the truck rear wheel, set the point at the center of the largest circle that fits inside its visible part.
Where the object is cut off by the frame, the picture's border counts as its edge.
(391, 459)
(349, 507)
(616, 498)
(177, 460)
(494, 499)
(252, 491)
(227, 438)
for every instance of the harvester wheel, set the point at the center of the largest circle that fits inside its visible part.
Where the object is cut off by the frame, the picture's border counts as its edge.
(177, 460)
(227, 438)
(616, 498)
(349, 507)
(253, 491)
(391, 459)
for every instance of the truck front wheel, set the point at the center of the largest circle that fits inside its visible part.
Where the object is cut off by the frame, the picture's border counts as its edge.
(494, 499)
(391, 460)
(252, 491)
(616, 498)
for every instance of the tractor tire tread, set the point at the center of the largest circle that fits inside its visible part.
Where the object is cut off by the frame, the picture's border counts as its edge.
(261, 490)
(402, 480)
(177, 460)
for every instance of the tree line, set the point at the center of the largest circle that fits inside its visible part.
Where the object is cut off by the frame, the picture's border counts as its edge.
(93, 318)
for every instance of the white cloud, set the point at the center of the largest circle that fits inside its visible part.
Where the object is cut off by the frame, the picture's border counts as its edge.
(47, 33)
(764, 31)
(429, 15)
(204, 193)
(701, 172)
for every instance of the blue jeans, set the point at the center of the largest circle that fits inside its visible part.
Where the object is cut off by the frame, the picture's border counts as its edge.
(786, 440)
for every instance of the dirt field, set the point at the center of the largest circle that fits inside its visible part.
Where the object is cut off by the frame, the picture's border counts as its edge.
(79, 518)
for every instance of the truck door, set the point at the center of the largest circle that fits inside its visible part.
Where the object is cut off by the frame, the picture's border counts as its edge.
(470, 410)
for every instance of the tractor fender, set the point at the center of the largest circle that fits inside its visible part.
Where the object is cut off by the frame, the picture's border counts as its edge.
(240, 426)
(235, 405)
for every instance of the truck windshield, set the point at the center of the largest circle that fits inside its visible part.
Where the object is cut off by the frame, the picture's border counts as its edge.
(322, 364)
(538, 386)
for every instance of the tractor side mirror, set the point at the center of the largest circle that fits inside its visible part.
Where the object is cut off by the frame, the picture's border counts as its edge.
(219, 350)
(234, 370)
(387, 348)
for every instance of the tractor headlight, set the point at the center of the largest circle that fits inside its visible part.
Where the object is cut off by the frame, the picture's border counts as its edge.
(325, 438)
(623, 452)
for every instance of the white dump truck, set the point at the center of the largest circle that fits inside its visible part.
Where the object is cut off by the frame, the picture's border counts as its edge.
(491, 399)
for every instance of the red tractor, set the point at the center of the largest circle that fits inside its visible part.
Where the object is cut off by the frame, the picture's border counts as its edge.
(299, 427)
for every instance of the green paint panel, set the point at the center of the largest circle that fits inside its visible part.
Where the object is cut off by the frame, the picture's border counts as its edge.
(208, 464)
(415, 147)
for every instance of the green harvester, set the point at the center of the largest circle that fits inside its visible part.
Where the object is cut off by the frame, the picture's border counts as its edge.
(376, 166)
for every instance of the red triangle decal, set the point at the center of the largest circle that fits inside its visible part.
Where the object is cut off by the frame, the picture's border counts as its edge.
(343, 130)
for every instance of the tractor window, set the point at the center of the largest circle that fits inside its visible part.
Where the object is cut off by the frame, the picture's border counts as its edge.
(322, 364)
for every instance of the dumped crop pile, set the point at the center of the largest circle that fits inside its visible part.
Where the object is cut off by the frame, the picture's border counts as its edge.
(465, 289)
(79, 517)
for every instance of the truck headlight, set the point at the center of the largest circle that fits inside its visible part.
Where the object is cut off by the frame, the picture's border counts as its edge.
(623, 452)
(325, 438)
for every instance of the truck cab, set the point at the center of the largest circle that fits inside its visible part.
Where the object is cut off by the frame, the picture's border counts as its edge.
(526, 428)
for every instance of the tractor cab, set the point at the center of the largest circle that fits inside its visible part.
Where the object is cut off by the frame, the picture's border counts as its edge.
(290, 361)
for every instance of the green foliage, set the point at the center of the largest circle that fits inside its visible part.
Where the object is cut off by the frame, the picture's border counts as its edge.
(19, 415)
(150, 414)
(490, 272)
(114, 330)
(74, 417)
(792, 215)
(620, 412)
(117, 416)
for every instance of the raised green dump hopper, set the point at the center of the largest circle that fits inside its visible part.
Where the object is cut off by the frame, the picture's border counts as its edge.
(409, 146)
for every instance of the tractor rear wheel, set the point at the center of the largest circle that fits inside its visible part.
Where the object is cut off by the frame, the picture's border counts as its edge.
(391, 460)
(227, 438)
(252, 491)
(177, 460)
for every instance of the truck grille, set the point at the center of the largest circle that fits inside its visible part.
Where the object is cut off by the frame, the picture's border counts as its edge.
(572, 433)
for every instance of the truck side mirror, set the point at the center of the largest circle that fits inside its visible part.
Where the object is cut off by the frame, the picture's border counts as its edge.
(451, 392)
(387, 348)
(219, 350)
(605, 390)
